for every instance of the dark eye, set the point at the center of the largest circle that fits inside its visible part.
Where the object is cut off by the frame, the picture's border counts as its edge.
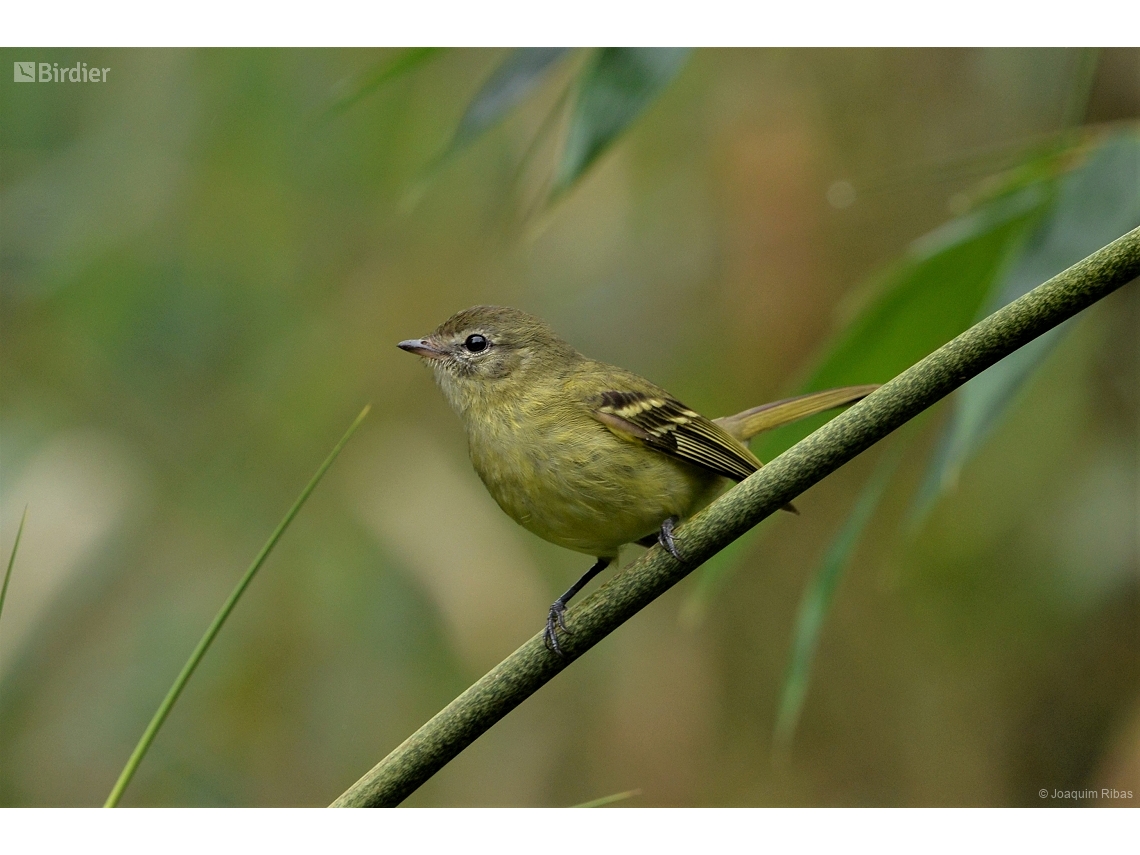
(476, 343)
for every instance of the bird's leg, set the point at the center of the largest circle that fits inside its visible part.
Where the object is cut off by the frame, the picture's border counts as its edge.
(665, 538)
(556, 619)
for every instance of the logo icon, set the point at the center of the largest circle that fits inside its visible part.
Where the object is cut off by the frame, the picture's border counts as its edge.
(24, 72)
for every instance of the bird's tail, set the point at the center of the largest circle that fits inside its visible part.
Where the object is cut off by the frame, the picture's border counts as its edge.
(744, 426)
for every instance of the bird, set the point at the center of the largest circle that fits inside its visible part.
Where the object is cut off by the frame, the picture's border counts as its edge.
(583, 454)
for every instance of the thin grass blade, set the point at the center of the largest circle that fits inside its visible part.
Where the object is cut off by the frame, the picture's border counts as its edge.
(609, 800)
(215, 626)
(12, 560)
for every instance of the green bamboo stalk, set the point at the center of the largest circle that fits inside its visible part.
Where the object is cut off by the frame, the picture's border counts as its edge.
(220, 618)
(530, 667)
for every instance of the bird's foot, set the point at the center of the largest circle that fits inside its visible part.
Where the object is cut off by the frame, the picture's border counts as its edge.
(665, 538)
(555, 620)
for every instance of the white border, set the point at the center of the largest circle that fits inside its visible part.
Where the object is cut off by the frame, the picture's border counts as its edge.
(726, 23)
(603, 831)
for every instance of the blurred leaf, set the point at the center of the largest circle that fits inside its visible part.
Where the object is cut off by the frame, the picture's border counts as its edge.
(613, 92)
(818, 596)
(377, 77)
(609, 800)
(1084, 75)
(12, 560)
(1094, 204)
(712, 575)
(518, 76)
(925, 300)
(933, 294)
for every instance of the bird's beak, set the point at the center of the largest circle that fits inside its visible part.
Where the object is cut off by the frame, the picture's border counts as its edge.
(421, 347)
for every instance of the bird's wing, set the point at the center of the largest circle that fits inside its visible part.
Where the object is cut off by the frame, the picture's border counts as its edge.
(667, 425)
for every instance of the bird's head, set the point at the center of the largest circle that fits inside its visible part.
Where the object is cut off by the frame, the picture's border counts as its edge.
(488, 352)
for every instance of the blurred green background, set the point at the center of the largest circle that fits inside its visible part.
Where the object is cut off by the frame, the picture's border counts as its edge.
(205, 270)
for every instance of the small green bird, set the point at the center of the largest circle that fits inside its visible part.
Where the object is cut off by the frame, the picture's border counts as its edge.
(584, 454)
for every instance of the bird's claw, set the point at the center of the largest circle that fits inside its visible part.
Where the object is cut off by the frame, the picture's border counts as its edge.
(555, 620)
(665, 538)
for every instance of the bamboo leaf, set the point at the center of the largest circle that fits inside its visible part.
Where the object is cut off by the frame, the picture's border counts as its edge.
(518, 76)
(934, 293)
(377, 77)
(614, 90)
(818, 596)
(1095, 203)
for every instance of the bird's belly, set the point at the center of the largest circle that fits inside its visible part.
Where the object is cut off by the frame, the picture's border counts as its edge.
(590, 496)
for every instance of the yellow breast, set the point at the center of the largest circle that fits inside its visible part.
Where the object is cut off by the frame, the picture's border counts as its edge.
(570, 480)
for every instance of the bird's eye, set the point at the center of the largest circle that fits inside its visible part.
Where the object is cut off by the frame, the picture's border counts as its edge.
(476, 343)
